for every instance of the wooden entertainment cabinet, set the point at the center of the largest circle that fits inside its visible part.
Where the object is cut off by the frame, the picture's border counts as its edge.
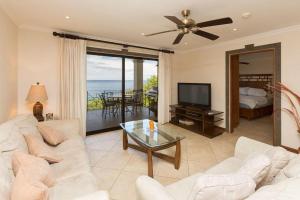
(204, 121)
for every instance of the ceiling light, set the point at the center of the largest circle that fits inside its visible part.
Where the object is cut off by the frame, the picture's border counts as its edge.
(246, 15)
(235, 29)
(67, 17)
(143, 34)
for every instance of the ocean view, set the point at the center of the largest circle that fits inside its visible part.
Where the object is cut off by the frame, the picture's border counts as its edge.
(99, 86)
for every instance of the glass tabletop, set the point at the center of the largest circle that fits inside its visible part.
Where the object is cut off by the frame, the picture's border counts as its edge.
(159, 136)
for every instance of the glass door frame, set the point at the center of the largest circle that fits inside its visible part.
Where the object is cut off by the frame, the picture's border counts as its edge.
(123, 86)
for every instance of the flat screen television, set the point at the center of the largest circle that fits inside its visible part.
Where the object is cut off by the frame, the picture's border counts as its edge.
(195, 94)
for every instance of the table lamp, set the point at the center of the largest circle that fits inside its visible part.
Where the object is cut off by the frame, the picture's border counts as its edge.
(37, 94)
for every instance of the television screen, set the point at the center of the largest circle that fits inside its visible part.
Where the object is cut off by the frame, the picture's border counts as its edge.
(197, 94)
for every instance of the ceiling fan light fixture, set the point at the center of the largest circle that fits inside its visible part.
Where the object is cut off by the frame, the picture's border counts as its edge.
(234, 29)
(67, 17)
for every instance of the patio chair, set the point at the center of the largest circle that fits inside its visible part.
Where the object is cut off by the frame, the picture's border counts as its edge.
(109, 106)
(138, 100)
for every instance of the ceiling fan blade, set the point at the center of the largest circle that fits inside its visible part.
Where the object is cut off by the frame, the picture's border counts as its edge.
(226, 20)
(161, 32)
(175, 20)
(244, 63)
(178, 38)
(206, 34)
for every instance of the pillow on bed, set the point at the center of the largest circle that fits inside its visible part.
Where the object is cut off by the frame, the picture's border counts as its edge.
(244, 90)
(257, 92)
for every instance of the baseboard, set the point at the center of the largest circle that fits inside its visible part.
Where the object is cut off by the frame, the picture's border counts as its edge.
(290, 149)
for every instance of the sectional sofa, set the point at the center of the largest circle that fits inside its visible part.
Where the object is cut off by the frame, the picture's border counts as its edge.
(74, 179)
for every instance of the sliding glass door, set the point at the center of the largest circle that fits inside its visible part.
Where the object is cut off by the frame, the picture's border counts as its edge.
(104, 92)
(141, 89)
(119, 89)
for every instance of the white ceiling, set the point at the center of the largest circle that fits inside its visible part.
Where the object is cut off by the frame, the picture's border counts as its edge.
(125, 20)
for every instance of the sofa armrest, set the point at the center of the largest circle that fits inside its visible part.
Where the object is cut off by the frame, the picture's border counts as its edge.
(68, 127)
(99, 195)
(149, 189)
(246, 146)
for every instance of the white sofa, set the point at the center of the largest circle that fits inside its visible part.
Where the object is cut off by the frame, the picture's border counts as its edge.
(281, 188)
(74, 179)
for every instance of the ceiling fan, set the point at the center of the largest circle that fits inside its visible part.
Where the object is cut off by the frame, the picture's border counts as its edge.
(187, 25)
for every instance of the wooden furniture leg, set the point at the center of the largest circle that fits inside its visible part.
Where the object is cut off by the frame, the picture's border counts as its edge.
(177, 155)
(125, 140)
(150, 163)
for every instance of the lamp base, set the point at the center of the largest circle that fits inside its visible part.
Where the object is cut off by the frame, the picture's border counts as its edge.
(38, 111)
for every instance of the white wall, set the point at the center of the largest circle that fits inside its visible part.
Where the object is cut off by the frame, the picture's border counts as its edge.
(259, 63)
(38, 61)
(207, 64)
(8, 67)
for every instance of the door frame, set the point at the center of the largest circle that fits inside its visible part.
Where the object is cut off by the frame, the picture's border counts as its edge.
(276, 48)
(123, 56)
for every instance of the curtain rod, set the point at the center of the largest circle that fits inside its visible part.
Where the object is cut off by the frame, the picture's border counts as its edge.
(75, 37)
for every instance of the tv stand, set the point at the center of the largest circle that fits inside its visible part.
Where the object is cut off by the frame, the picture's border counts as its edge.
(201, 121)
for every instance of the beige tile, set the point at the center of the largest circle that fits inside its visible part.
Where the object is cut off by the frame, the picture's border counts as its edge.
(139, 163)
(165, 180)
(95, 155)
(105, 177)
(124, 187)
(104, 145)
(167, 169)
(114, 160)
(197, 167)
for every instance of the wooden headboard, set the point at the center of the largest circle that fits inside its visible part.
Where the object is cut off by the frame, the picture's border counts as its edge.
(256, 80)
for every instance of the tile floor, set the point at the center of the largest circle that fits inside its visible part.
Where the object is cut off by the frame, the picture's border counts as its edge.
(116, 170)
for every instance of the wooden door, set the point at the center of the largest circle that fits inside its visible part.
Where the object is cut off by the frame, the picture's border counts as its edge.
(234, 92)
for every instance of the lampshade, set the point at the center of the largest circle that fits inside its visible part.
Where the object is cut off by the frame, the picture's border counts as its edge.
(37, 93)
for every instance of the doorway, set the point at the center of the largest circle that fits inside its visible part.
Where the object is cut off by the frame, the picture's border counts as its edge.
(249, 101)
(118, 88)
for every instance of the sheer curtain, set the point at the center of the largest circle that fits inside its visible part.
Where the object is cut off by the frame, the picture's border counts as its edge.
(164, 87)
(72, 94)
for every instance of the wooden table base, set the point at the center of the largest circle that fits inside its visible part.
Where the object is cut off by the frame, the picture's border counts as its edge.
(152, 152)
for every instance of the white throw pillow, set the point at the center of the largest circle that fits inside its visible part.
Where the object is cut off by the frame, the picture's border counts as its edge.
(279, 158)
(244, 90)
(222, 187)
(257, 92)
(256, 166)
(285, 190)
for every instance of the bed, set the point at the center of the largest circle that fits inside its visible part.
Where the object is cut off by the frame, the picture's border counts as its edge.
(255, 106)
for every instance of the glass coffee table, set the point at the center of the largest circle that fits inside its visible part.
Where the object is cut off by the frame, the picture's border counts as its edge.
(151, 141)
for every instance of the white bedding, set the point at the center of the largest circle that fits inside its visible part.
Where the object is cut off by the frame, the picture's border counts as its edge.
(254, 101)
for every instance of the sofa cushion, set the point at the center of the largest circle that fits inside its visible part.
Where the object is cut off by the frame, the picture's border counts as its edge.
(72, 187)
(71, 165)
(5, 180)
(51, 135)
(256, 166)
(149, 189)
(24, 187)
(287, 189)
(181, 189)
(293, 168)
(230, 165)
(279, 159)
(37, 168)
(40, 149)
(70, 146)
(222, 187)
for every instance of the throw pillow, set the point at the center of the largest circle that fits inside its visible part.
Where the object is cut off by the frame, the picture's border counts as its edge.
(222, 187)
(279, 159)
(40, 149)
(256, 166)
(50, 135)
(37, 168)
(24, 187)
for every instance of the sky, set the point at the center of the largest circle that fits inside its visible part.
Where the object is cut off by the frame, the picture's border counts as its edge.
(110, 68)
